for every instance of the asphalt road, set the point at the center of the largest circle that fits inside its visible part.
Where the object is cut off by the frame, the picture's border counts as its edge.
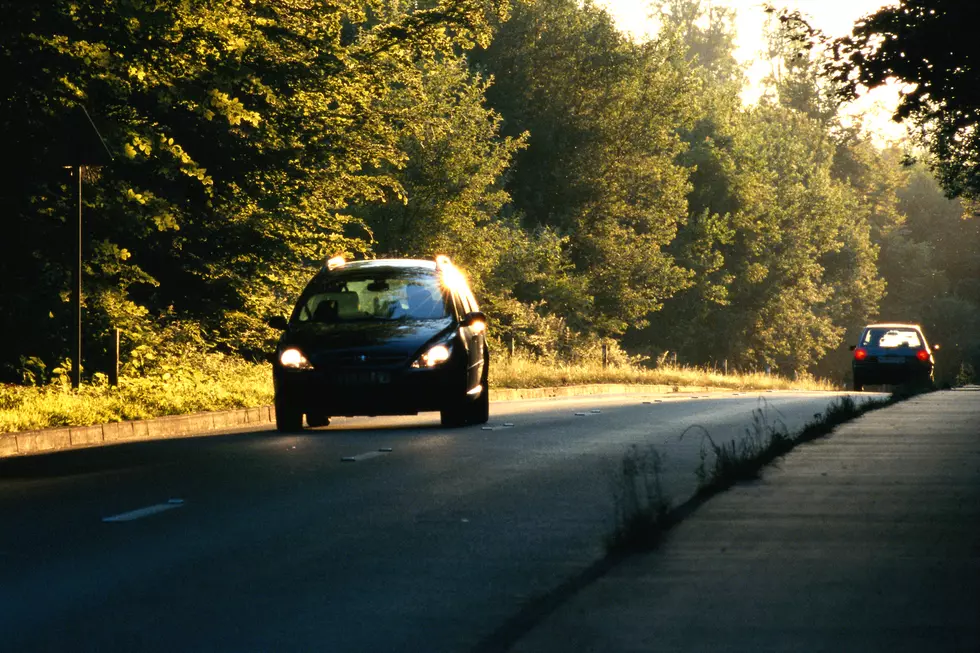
(380, 534)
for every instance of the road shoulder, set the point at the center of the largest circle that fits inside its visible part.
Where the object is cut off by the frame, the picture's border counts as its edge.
(22, 443)
(863, 540)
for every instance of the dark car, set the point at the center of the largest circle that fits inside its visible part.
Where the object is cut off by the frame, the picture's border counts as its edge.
(892, 354)
(383, 337)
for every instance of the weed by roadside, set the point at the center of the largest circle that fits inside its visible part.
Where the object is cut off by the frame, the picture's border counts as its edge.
(643, 514)
(765, 439)
(640, 504)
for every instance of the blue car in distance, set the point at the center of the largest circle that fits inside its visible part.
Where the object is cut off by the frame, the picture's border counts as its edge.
(892, 354)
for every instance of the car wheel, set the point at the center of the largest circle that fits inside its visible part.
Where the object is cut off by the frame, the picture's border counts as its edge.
(480, 411)
(858, 384)
(316, 420)
(924, 382)
(289, 418)
(457, 411)
(453, 414)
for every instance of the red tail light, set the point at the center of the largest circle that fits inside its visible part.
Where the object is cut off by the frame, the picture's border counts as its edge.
(860, 354)
(922, 355)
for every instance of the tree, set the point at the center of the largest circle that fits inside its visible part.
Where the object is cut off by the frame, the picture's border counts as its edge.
(930, 46)
(599, 168)
(242, 132)
(778, 238)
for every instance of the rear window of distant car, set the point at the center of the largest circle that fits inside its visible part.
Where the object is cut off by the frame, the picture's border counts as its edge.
(373, 294)
(885, 338)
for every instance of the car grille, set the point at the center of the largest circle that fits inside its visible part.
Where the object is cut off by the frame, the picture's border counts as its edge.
(358, 360)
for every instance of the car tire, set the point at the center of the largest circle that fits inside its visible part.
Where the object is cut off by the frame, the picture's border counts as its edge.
(317, 420)
(480, 410)
(454, 414)
(289, 418)
(924, 382)
(858, 384)
(457, 412)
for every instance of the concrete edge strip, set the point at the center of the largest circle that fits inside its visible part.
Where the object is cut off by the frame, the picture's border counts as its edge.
(22, 443)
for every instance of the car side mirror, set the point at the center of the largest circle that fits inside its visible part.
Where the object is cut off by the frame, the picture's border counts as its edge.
(278, 322)
(471, 319)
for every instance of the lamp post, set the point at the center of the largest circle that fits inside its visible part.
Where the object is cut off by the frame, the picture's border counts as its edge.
(83, 147)
(76, 300)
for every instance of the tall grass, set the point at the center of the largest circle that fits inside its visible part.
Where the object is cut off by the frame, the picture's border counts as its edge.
(206, 382)
(203, 382)
(521, 372)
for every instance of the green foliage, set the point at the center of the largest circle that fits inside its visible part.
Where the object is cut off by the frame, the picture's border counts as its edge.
(241, 134)
(602, 113)
(175, 386)
(929, 46)
(777, 235)
(593, 186)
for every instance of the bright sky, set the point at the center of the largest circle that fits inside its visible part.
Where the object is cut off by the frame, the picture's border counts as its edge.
(834, 17)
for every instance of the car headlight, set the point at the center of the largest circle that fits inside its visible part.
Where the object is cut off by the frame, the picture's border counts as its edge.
(294, 358)
(436, 355)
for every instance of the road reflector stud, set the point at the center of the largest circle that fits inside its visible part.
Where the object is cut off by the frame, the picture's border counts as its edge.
(348, 459)
(175, 502)
(486, 428)
(385, 450)
(580, 414)
(508, 423)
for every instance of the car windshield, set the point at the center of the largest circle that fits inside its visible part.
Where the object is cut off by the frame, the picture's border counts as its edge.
(891, 338)
(383, 294)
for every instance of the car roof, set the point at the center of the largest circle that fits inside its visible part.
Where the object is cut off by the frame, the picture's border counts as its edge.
(389, 263)
(893, 325)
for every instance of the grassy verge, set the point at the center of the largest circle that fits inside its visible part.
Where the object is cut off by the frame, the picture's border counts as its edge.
(209, 382)
(521, 372)
(643, 513)
(216, 382)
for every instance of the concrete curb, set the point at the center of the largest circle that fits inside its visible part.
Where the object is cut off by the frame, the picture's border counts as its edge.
(23, 443)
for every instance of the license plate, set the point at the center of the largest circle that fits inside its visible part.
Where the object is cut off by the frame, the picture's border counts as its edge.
(891, 359)
(362, 378)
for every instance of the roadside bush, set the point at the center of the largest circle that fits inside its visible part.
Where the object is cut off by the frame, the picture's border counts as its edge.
(197, 382)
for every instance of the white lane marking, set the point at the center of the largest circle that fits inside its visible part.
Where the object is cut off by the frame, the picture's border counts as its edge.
(144, 512)
(506, 425)
(366, 456)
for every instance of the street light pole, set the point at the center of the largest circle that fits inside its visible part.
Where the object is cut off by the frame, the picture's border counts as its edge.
(81, 146)
(76, 368)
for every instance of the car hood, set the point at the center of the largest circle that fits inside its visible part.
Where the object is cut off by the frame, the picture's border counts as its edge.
(381, 340)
